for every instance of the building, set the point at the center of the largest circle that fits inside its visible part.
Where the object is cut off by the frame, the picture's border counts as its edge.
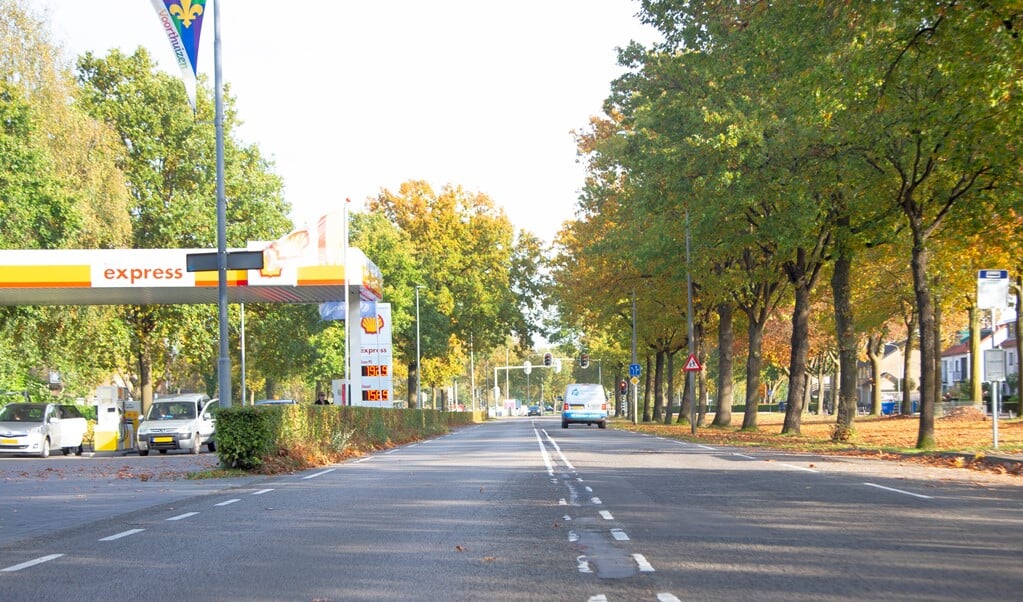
(956, 362)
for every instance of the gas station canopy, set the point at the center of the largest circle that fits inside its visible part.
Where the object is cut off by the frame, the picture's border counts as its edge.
(159, 276)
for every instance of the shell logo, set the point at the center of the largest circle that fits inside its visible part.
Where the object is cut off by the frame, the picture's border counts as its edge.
(372, 324)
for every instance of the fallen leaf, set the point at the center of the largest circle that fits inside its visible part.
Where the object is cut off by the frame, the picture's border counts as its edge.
(459, 549)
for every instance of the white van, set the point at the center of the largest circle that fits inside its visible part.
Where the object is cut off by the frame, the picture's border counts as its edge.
(584, 403)
(179, 422)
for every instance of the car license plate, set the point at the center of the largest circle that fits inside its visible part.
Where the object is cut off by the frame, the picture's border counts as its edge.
(8, 441)
(163, 439)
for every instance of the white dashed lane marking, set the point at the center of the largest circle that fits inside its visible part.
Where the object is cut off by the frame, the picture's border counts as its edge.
(25, 565)
(318, 474)
(606, 515)
(619, 535)
(644, 566)
(181, 516)
(919, 495)
(228, 502)
(261, 491)
(122, 534)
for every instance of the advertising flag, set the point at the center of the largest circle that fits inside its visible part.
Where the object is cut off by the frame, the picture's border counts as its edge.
(182, 22)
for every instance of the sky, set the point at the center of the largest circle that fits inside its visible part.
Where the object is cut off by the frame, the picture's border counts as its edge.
(350, 97)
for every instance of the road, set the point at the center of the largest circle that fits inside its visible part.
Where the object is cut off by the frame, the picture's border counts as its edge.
(520, 509)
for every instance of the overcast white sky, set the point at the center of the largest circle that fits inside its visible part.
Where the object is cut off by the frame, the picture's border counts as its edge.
(352, 96)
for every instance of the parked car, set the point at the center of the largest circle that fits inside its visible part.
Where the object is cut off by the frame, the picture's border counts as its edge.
(584, 404)
(37, 428)
(534, 411)
(183, 421)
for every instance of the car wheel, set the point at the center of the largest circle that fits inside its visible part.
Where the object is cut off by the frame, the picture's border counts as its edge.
(79, 450)
(163, 451)
(65, 450)
(45, 452)
(212, 446)
(143, 452)
(564, 424)
(602, 425)
(196, 444)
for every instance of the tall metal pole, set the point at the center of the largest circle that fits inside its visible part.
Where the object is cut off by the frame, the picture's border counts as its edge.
(346, 390)
(224, 362)
(419, 368)
(242, 344)
(635, 360)
(690, 376)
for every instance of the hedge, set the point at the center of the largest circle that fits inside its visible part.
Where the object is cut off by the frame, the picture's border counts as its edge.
(274, 438)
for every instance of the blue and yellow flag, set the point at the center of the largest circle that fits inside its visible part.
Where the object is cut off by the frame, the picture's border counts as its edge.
(182, 21)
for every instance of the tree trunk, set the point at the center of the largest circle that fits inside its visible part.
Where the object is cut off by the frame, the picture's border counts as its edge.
(925, 311)
(646, 391)
(800, 349)
(753, 363)
(874, 347)
(701, 378)
(671, 387)
(726, 338)
(659, 386)
(907, 354)
(847, 356)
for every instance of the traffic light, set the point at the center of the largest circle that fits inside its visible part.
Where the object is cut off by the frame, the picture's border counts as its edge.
(623, 387)
(548, 359)
(584, 360)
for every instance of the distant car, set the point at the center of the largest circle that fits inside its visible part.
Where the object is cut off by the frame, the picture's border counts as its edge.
(37, 428)
(275, 402)
(534, 411)
(178, 422)
(549, 409)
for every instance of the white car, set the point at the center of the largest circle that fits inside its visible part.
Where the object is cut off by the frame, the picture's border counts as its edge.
(36, 428)
(179, 422)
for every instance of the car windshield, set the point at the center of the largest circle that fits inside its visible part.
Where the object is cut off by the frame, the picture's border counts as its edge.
(171, 411)
(20, 412)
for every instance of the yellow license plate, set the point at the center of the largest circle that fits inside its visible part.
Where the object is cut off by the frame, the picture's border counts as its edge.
(162, 439)
(8, 441)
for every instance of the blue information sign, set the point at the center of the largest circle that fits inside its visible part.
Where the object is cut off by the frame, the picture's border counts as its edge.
(635, 370)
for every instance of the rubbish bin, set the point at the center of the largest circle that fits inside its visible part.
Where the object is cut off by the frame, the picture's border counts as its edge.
(887, 408)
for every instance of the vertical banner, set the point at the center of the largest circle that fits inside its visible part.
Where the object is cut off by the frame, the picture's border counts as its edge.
(182, 22)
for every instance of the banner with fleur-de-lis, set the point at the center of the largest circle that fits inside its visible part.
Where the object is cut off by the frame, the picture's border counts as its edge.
(182, 22)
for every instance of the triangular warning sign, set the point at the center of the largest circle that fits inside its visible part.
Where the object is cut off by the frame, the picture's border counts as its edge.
(693, 364)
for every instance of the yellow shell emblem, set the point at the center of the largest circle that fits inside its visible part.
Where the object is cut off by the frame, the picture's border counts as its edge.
(372, 325)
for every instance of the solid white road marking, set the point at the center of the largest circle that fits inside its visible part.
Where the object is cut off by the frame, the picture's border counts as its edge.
(560, 453)
(562, 502)
(122, 534)
(745, 456)
(619, 535)
(181, 516)
(705, 447)
(318, 474)
(919, 495)
(543, 452)
(261, 491)
(228, 502)
(595, 500)
(666, 597)
(597, 598)
(606, 515)
(40, 560)
(584, 566)
(573, 537)
(644, 566)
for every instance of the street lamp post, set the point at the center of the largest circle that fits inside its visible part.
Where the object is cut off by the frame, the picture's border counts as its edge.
(419, 397)
(690, 376)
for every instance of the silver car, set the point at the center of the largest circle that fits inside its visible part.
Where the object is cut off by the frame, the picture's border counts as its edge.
(179, 422)
(37, 428)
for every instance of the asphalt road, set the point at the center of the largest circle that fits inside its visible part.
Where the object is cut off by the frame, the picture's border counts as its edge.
(517, 509)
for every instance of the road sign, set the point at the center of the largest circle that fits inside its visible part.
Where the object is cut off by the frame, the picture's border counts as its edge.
(994, 365)
(634, 380)
(692, 364)
(527, 367)
(635, 370)
(992, 289)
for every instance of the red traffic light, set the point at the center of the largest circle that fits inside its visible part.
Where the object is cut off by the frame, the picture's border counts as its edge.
(548, 359)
